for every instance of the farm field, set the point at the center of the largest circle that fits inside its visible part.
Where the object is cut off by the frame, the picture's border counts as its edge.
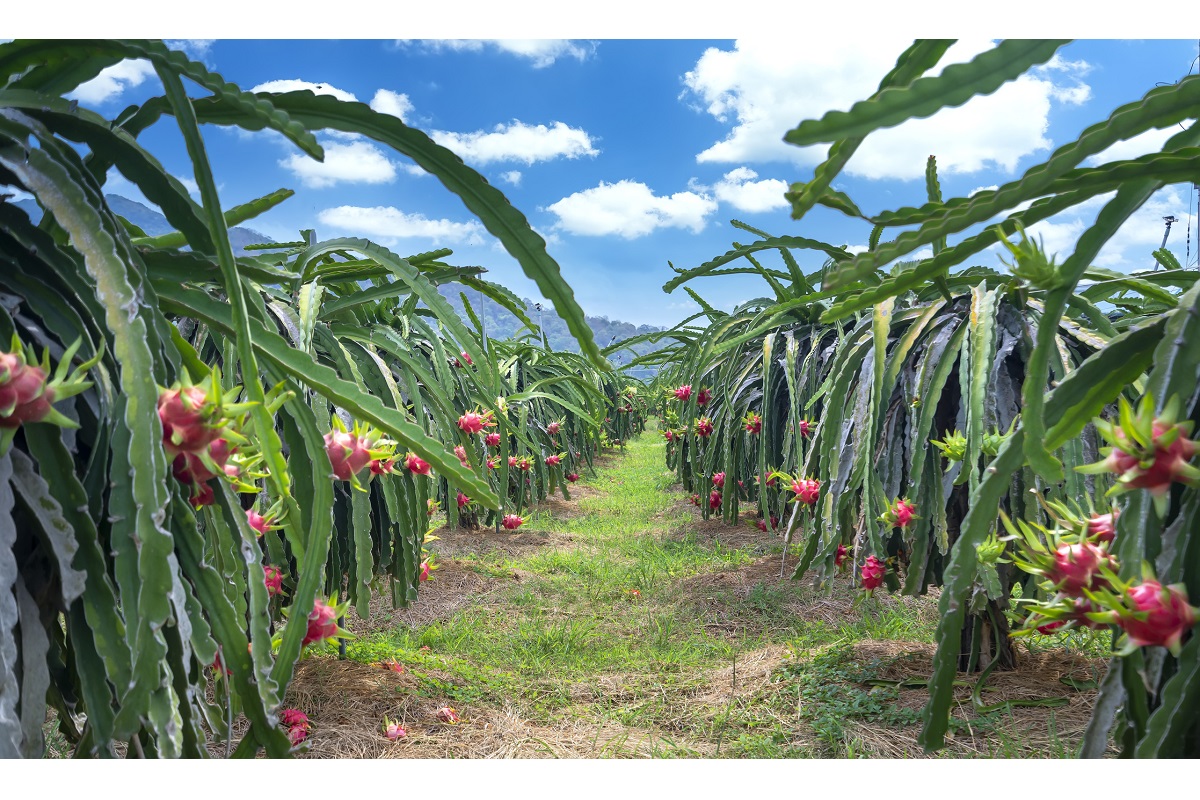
(906, 467)
(539, 642)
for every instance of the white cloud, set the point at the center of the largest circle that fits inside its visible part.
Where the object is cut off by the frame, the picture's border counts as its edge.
(351, 162)
(993, 187)
(296, 85)
(753, 86)
(189, 184)
(541, 52)
(196, 49)
(1144, 143)
(630, 209)
(1130, 248)
(386, 101)
(388, 223)
(740, 190)
(113, 81)
(512, 176)
(518, 142)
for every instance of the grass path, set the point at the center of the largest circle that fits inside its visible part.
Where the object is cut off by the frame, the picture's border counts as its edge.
(622, 624)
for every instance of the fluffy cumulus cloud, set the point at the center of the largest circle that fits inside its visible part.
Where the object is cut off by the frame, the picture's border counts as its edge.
(765, 88)
(539, 52)
(1130, 248)
(517, 141)
(740, 190)
(388, 224)
(112, 82)
(297, 85)
(196, 49)
(1144, 143)
(357, 161)
(513, 177)
(386, 101)
(630, 209)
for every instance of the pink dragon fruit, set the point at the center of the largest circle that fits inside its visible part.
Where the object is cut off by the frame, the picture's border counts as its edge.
(703, 397)
(684, 392)
(424, 571)
(714, 499)
(493, 462)
(273, 579)
(753, 423)
(572, 477)
(473, 422)
(392, 730)
(899, 514)
(296, 725)
(1077, 567)
(447, 714)
(840, 557)
(806, 428)
(704, 427)
(553, 428)
(462, 500)
(512, 521)
(322, 622)
(27, 393)
(872, 573)
(1102, 528)
(492, 440)
(416, 465)
(461, 453)
(553, 461)
(718, 480)
(348, 453)
(382, 466)
(1158, 615)
(258, 522)
(807, 490)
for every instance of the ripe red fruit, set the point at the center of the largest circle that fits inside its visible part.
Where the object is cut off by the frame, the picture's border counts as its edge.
(447, 714)
(296, 724)
(322, 623)
(273, 579)
(431, 507)
(492, 440)
(512, 521)
(1102, 528)
(424, 571)
(258, 522)
(806, 428)
(348, 453)
(472, 422)
(899, 514)
(382, 466)
(718, 480)
(669, 435)
(187, 419)
(461, 452)
(684, 392)
(704, 427)
(463, 500)
(553, 428)
(840, 557)
(695, 500)
(1077, 567)
(807, 490)
(416, 465)
(703, 397)
(714, 499)
(552, 461)
(572, 477)
(872, 573)
(493, 462)
(1051, 627)
(753, 423)
(1167, 615)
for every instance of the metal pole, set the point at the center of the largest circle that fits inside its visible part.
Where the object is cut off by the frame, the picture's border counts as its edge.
(1166, 233)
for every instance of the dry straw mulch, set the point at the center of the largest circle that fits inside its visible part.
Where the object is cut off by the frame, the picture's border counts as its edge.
(346, 703)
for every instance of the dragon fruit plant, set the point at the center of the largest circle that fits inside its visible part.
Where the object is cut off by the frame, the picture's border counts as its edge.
(1147, 451)
(28, 390)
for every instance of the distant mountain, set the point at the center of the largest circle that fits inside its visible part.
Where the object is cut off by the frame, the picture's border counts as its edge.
(496, 319)
(154, 223)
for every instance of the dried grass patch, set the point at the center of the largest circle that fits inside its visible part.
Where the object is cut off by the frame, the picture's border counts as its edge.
(452, 587)
(1031, 731)
(346, 703)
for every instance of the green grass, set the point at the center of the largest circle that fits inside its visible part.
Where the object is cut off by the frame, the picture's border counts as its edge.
(551, 639)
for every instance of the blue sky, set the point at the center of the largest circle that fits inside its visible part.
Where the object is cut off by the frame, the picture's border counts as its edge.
(626, 154)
